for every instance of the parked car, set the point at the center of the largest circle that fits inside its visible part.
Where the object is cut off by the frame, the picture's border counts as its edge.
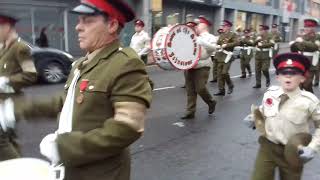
(53, 65)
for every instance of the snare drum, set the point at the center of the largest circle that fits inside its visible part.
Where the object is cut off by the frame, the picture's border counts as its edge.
(176, 48)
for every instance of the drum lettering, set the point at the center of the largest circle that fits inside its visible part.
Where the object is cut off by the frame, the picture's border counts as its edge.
(179, 30)
(192, 36)
(171, 55)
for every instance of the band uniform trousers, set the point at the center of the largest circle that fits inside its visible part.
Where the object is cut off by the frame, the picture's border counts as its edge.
(223, 75)
(214, 68)
(271, 156)
(245, 62)
(196, 80)
(262, 65)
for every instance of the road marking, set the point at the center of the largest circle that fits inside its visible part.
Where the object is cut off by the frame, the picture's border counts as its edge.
(164, 88)
(172, 87)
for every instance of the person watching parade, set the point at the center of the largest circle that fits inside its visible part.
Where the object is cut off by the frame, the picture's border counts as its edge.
(17, 70)
(228, 41)
(286, 113)
(264, 53)
(103, 107)
(140, 41)
(197, 77)
(308, 45)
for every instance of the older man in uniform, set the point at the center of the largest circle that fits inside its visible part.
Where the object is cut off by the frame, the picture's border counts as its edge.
(309, 45)
(276, 36)
(140, 41)
(104, 104)
(227, 41)
(197, 77)
(17, 71)
(246, 44)
(264, 53)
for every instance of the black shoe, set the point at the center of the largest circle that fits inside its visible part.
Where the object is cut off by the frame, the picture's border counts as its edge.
(188, 116)
(214, 81)
(267, 83)
(316, 84)
(212, 107)
(243, 76)
(257, 86)
(250, 74)
(184, 86)
(230, 90)
(220, 93)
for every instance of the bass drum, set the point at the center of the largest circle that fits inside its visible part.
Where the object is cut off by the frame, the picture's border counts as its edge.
(29, 168)
(176, 48)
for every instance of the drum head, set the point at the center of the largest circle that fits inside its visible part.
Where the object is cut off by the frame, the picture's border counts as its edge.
(176, 48)
(25, 168)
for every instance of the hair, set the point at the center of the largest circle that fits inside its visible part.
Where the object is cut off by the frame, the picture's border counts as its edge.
(106, 19)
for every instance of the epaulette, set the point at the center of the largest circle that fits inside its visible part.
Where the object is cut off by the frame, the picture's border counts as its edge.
(129, 52)
(273, 88)
(310, 96)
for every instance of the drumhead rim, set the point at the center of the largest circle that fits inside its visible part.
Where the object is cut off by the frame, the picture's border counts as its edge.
(165, 48)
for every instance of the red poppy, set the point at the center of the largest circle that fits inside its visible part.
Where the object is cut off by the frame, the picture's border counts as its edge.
(269, 101)
(84, 84)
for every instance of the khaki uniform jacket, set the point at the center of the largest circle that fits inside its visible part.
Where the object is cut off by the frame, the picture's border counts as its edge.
(229, 38)
(292, 117)
(267, 43)
(246, 42)
(97, 147)
(16, 63)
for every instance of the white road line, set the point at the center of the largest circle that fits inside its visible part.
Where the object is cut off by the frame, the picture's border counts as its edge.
(164, 88)
(172, 87)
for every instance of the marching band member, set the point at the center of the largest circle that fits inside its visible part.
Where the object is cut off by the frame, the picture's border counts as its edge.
(214, 60)
(264, 53)
(287, 111)
(140, 41)
(246, 43)
(227, 41)
(308, 45)
(276, 36)
(17, 70)
(104, 104)
(196, 78)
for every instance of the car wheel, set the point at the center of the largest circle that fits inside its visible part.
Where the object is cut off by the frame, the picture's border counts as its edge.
(52, 73)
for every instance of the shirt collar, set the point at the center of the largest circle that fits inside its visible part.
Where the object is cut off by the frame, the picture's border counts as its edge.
(294, 93)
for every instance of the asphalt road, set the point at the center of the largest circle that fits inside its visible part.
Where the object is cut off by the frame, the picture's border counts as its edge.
(217, 147)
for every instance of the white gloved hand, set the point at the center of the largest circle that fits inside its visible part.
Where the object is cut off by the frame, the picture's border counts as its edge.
(259, 38)
(7, 117)
(306, 154)
(49, 148)
(249, 121)
(4, 85)
(224, 46)
(299, 39)
(260, 44)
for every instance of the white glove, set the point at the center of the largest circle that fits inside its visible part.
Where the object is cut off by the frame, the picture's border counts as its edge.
(292, 42)
(249, 121)
(306, 153)
(4, 85)
(224, 46)
(49, 148)
(259, 38)
(7, 117)
(299, 39)
(260, 44)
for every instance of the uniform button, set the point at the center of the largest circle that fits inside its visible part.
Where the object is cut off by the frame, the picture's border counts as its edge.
(91, 87)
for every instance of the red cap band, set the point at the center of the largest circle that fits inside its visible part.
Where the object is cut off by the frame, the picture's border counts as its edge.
(107, 8)
(294, 64)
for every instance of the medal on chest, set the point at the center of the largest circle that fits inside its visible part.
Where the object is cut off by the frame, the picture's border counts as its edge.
(83, 86)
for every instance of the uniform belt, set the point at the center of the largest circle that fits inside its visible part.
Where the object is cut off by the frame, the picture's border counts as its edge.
(308, 53)
(229, 55)
(315, 56)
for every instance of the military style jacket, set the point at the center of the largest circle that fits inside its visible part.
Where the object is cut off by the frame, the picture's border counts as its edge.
(231, 40)
(246, 43)
(208, 44)
(292, 117)
(97, 146)
(16, 63)
(264, 44)
(309, 46)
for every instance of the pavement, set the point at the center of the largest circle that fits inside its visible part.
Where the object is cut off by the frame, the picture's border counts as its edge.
(210, 147)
